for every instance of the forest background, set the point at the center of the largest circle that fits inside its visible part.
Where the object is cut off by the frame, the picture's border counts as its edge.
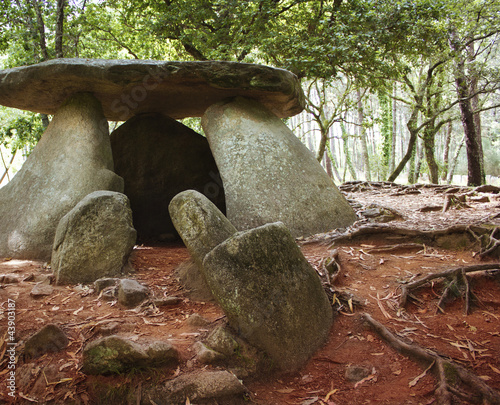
(398, 90)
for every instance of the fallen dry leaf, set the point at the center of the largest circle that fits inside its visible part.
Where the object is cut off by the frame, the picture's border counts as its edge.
(496, 370)
(415, 381)
(330, 394)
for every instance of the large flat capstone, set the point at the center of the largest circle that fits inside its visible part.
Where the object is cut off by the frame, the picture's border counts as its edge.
(129, 87)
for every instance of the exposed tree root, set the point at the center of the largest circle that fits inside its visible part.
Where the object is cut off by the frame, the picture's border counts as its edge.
(449, 375)
(457, 277)
(485, 236)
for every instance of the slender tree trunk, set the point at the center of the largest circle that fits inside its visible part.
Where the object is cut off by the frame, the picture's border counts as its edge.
(446, 152)
(331, 152)
(362, 137)
(392, 157)
(7, 166)
(347, 152)
(322, 143)
(41, 29)
(328, 165)
(411, 125)
(454, 161)
(59, 28)
(429, 147)
(419, 157)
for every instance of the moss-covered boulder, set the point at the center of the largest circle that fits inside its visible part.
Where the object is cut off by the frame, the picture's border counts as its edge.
(115, 355)
(270, 294)
(94, 239)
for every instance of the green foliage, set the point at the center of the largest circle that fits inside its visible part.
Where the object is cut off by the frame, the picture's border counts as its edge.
(22, 132)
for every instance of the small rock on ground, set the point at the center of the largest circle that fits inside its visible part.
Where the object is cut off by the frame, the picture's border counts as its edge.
(50, 338)
(131, 293)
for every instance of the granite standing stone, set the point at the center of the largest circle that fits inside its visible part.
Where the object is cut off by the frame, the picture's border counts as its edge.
(158, 158)
(268, 174)
(72, 159)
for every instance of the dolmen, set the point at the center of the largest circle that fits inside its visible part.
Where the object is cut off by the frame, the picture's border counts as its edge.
(249, 164)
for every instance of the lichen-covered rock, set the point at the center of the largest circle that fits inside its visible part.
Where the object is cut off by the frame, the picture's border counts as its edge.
(50, 338)
(115, 354)
(131, 293)
(198, 386)
(268, 173)
(270, 294)
(158, 157)
(201, 225)
(94, 239)
(72, 159)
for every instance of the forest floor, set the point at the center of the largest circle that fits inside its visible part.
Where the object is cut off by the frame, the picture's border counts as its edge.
(372, 277)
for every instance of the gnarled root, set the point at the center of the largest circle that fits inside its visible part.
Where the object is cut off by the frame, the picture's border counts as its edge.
(456, 276)
(442, 369)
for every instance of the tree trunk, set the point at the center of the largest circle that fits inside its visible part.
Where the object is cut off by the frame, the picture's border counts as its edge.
(41, 29)
(429, 146)
(454, 161)
(59, 28)
(392, 159)
(347, 152)
(362, 137)
(446, 152)
(475, 173)
(322, 143)
(7, 167)
(419, 157)
(412, 128)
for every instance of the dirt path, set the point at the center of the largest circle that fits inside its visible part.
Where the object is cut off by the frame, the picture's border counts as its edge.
(373, 278)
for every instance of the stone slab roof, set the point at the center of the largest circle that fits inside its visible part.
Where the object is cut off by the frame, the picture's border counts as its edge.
(129, 87)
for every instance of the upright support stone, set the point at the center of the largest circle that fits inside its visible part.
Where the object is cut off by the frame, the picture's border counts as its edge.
(268, 174)
(72, 159)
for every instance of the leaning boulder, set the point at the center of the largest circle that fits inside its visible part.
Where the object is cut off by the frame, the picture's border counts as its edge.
(268, 174)
(94, 239)
(201, 225)
(270, 294)
(158, 158)
(72, 159)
